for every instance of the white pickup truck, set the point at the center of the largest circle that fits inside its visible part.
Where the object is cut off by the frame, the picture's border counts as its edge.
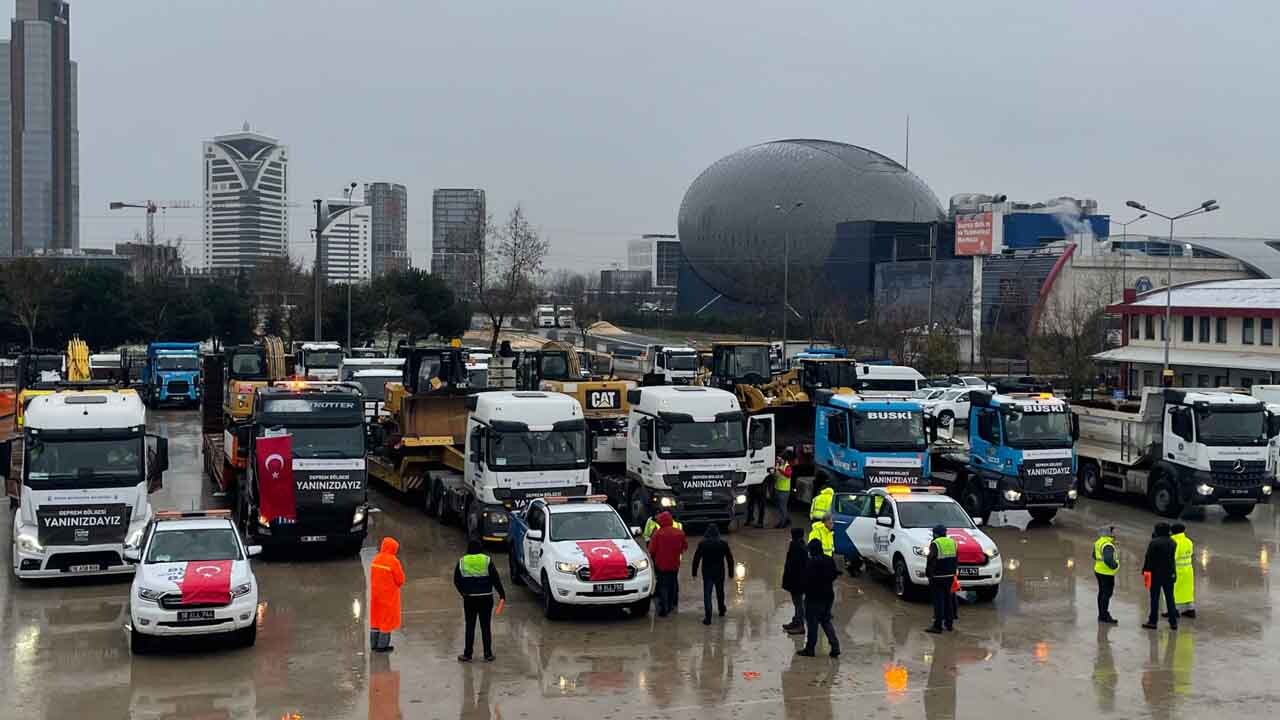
(577, 551)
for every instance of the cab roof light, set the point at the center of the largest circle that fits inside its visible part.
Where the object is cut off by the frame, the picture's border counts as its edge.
(190, 514)
(564, 500)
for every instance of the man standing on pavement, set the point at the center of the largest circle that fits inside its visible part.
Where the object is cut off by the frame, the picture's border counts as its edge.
(1161, 564)
(385, 578)
(714, 555)
(940, 567)
(1184, 588)
(666, 548)
(1105, 564)
(819, 597)
(793, 579)
(782, 487)
(476, 578)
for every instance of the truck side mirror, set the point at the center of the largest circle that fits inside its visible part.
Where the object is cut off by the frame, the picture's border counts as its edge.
(1075, 427)
(6, 458)
(931, 428)
(1273, 429)
(884, 521)
(133, 555)
(162, 454)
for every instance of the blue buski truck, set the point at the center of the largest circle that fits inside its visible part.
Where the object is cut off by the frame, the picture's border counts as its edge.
(172, 373)
(859, 444)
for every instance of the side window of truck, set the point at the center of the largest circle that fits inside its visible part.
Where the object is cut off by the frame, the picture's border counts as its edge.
(1180, 420)
(987, 425)
(838, 428)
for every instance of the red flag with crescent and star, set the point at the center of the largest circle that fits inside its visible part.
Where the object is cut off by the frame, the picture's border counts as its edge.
(207, 582)
(275, 478)
(604, 559)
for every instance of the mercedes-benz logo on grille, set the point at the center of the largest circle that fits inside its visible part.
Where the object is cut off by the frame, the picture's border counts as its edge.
(1238, 467)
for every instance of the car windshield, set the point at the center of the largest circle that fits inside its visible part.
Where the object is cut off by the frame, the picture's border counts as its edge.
(328, 442)
(588, 526)
(926, 394)
(1233, 428)
(975, 381)
(1047, 426)
(374, 388)
(953, 395)
(207, 545)
(538, 449)
(682, 361)
(323, 358)
(54, 464)
(700, 439)
(180, 362)
(743, 361)
(888, 430)
(931, 513)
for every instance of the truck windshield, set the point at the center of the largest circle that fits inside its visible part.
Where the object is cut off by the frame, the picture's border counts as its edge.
(888, 430)
(66, 464)
(1047, 429)
(555, 367)
(740, 362)
(930, 514)
(324, 358)
(701, 439)
(178, 362)
(538, 450)
(171, 546)
(247, 365)
(832, 374)
(588, 526)
(682, 361)
(374, 388)
(1226, 427)
(310, 441)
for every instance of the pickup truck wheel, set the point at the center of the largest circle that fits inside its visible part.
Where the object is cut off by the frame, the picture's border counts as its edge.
(247, 637)
(1164, 497)
(988, 593)
(902, 586)
(1090, 480)
(139, 644)
(1043, 515)
(946, 418)
(1238, 511)
(512, 569)
(550, 608)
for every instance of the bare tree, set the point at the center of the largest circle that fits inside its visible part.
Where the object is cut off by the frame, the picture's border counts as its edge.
(1071, 329)
(31, 288)
(508, 281)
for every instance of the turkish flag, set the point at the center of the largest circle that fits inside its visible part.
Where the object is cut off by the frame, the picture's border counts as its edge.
(275, 478)
(207, 582)
(604, 560)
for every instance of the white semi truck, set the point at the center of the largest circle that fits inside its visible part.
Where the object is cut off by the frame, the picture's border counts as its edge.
(691, 451)
(86, 473)
(1179, 448)
(318, 361)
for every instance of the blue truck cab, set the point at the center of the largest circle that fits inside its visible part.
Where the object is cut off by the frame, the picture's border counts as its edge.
(860, 444)
(1021, 455)
(172, 373)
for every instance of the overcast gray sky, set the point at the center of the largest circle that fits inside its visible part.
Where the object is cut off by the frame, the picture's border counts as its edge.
(597, 115)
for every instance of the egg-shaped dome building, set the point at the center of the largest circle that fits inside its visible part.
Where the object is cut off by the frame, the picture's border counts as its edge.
(736, 216)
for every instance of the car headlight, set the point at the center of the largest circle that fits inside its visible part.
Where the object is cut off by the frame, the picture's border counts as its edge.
(642, 564)
(569, 568)
(241, 590)
(1266, 489)
(357, 517)
(667, 502)
(146, 593)
(28, 543)
(1012, 495)
(1204, 489)
(918, 550)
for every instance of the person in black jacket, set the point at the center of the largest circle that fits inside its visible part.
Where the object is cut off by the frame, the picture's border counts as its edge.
(793, 580)
(476, 579)
(819, 595)
(714, 555)
(1161, 564)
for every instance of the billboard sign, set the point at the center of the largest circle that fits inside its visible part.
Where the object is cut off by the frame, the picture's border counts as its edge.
(974, 234)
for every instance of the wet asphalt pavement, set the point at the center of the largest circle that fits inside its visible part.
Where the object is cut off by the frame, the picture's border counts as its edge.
(1036, 651)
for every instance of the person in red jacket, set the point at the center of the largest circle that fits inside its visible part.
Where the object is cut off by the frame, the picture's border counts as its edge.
(385, 578)
(666, 548)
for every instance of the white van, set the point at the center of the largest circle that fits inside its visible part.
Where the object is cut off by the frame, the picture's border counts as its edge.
(888, 381)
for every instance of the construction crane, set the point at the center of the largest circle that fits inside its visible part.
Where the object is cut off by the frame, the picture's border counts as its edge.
(151, 206)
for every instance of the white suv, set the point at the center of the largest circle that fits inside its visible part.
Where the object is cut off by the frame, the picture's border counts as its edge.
(952, 406)
(193, 578)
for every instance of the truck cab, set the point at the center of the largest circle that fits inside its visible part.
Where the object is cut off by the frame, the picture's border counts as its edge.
(692, 451)
(670, 365)
(318, 361)
(172, 373)
(860, 444)
(85, 480)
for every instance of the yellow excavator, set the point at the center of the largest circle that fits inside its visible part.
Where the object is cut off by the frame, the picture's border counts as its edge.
(555, 368)
(45, 372)
(244, 369)
(743, 368)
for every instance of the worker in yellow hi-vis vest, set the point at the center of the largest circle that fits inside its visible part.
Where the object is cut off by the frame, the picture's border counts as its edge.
(1184, 586)
(782, 487)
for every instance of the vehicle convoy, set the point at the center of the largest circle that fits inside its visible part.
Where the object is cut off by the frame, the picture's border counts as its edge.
(859, 444)
(1020, 456)
(546, 316)
(303, 475)
(231, 381)
(476, 456)
(1180, 448)
(318, 360)
(193, 578)
(172, 373)
(86, 473)
(578, 551)
(689, 450)
(892, 528)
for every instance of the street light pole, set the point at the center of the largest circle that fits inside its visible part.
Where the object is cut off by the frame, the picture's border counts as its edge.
(786, 270)
(1207, 206)
(350, 252)
(1124, 257)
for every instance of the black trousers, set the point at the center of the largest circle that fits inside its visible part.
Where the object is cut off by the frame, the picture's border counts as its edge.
(755, 503)
(1158, 588)
(940, 592)
(797, 600)
(668, 591)
(1106, 588)
(710, 583)
(818, 615)
(478, 607)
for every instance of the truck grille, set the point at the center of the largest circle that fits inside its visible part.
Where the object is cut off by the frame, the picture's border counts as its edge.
(179, 387)
(104, 558)
(1223, 473)
(584, 574)
(173, 601)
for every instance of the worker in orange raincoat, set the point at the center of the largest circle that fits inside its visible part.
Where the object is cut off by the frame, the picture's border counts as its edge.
(385, 578)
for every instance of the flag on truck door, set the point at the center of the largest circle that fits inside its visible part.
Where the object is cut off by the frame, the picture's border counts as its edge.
(275, 478)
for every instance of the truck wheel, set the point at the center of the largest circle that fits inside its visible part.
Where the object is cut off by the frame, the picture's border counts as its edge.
(429, 499)
(471, 521)
(974, 502)
(1043, 515)
(442, 504)
(1238, 511)
(988, 593)
(512, 569)
(640, 608)
(902, 586)
(1090, 480)
(550, 608)
(139, 644)
(1164, 497)
(637, 508)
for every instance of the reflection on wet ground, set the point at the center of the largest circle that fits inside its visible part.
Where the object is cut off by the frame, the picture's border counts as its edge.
(1036, 650)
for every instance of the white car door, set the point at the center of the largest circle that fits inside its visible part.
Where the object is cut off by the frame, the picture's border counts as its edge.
(862, 529)
(533, 548)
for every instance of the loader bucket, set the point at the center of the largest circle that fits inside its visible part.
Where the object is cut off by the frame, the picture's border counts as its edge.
(435, 416)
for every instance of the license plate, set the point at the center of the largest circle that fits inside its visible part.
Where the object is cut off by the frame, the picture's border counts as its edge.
(1048, 483)
(314, 538)
(84, 568)
(706, 494)
(968, 572)
(608, 588)
(187, 615)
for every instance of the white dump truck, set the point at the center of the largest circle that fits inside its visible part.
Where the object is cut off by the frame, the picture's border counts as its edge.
(1179, 448)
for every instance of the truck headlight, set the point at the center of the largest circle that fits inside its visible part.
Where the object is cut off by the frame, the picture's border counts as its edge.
(667, 502)
(918, 550)
(1266, 489)
(741, 499)
(497, 518)
(642, 564)
(357, 517)
(29, 544)
(241, 590)
(1204, 489)
(568, 568)
(1012, 495)
(1072, 494)
(146, 593)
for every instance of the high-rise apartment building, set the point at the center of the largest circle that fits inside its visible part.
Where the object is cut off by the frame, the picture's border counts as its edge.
(457, 237)
(389, 226)
(39, 136)
(246, 201)
(347, 245)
